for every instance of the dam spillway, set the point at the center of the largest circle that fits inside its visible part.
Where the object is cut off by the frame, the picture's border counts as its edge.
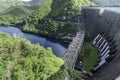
(104, 19)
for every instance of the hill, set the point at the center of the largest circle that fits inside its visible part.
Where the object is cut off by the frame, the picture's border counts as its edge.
(12, 11)
(4, 4)
(22, 60)
(39, 16)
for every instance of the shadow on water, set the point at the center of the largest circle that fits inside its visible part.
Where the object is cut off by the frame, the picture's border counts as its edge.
(58, 46)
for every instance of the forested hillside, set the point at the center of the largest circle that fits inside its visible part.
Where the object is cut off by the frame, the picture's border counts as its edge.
(40, 17)
(21, 60)
(4, 4)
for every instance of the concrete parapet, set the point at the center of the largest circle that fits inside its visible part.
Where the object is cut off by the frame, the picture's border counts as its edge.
(74, 48)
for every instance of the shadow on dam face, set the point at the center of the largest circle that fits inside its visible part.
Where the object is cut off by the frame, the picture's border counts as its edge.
(105, 19)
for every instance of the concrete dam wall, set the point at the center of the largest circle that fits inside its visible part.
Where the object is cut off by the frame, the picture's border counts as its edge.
(98, 20)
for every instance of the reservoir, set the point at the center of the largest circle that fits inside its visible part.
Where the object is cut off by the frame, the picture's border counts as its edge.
(58, 46)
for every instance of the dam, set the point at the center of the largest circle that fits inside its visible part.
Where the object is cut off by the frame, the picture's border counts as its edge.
(74, 48)
(104, 19)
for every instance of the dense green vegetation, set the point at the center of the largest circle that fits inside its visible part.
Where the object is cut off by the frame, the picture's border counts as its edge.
(52, 28)
(68, 7)
(43, 21)
(22, 60)
(90, 56)
(40, 18)
(15, 15)
(4, 4)
(76, 75)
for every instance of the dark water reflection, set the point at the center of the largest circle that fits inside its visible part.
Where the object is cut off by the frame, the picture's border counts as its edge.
(58, 46)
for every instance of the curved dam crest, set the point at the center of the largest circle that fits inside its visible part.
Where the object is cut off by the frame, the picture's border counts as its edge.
(105, 19)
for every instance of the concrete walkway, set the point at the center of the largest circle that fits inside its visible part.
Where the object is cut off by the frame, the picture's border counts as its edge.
(74, 48)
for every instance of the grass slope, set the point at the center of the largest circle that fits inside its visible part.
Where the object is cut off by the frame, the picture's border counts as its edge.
(90, 60)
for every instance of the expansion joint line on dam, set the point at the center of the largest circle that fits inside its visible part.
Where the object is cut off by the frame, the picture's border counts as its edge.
(74, 48)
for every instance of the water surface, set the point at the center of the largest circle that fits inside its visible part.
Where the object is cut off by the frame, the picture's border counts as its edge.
(58, 46)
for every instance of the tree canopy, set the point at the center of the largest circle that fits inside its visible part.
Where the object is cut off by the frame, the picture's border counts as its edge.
(21, 60)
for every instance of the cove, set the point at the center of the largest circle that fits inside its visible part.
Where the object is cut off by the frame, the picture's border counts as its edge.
(58, 46)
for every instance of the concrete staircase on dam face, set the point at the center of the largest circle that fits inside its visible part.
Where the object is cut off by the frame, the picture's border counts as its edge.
(74, 48)
(98, 20)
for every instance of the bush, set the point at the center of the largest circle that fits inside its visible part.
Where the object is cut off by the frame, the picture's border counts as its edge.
(21, 60)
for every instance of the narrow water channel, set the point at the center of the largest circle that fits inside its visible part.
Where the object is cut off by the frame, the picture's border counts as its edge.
(58, 46)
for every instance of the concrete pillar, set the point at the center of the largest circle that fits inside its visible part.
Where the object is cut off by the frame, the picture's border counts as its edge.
(105, 55)
(97, 44)
(104, 46)
(107, 48)
(100, 64)
(95, 40)
(100, 42)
